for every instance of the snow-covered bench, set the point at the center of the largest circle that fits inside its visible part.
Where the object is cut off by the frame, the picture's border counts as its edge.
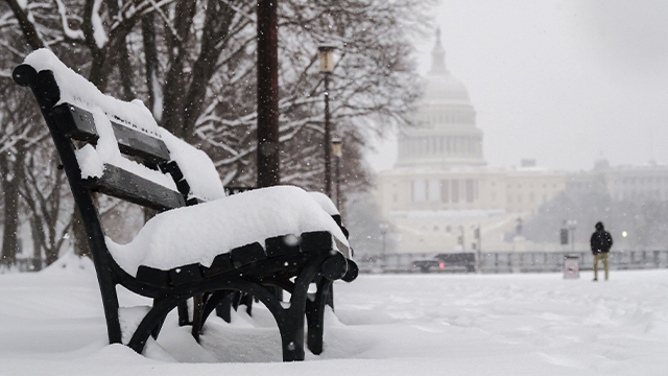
(202, 244)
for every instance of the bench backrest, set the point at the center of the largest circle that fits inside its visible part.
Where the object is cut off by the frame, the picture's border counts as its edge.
(78, 140)
(78, 124)
(118, 147)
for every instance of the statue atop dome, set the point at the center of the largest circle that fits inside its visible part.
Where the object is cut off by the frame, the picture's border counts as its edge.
(438, 56)
(441, 86)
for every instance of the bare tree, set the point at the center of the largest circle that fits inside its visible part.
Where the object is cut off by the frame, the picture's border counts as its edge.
(43, 189)
(198, 59)
(193, 62)
(16, 137)
(11, 169)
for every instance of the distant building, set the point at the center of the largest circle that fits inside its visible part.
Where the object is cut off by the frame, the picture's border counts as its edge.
(648, 182)
(441, 189)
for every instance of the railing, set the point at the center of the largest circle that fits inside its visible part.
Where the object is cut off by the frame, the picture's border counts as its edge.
(492, 262)
(514, 262)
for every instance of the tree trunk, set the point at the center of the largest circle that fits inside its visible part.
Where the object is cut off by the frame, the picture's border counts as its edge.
(217, 23)
(175, 82)
(151, 55)
(12, 172)
(37, 240)
(124, 66)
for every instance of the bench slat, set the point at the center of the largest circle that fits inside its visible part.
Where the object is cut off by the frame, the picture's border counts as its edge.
(78, 124)
(128, 186)
(75, 123)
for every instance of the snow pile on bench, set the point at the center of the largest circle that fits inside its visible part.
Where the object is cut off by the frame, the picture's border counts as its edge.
(77, 90)
(197, 234)
(196, 166)
(92, 159)
(325, 203)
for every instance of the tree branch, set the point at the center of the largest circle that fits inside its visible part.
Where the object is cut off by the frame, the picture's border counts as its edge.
(26, 22)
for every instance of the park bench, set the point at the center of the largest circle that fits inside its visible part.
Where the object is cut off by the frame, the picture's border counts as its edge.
(202, 245)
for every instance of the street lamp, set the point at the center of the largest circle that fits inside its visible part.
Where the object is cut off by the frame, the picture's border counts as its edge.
(572, 224)
(461, 240)
(478, 237)
(325, 54)
(337, 151)
(383, 232)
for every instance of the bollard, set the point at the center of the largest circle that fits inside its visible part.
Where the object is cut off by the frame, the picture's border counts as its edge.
(571, 267)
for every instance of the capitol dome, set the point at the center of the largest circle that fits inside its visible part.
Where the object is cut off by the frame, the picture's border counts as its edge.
(443, 87)
(445, 135)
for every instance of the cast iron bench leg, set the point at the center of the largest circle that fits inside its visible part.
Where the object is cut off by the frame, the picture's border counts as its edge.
(184, 315)
(153, 319)
(198, 319)
(315, 315)
(224, 308)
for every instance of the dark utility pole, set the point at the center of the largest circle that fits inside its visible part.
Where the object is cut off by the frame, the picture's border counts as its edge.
(337, 172)
(325, 54)
(337, 150)
(328, 142)
(268, 167)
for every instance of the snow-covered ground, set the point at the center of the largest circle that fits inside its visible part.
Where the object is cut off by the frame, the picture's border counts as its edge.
(51, 324)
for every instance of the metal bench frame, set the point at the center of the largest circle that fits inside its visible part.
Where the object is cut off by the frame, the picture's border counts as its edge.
(253, 274)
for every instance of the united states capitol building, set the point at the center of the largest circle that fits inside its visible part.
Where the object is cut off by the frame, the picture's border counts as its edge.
(441, 190)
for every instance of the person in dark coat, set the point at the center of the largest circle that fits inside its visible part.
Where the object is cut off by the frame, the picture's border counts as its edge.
(601, 242)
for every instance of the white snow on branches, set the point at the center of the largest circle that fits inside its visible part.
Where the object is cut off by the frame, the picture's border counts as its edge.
(98, 30)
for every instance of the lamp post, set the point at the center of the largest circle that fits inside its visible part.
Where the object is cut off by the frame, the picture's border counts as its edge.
(563, 234)
(572, 224)
(383, 232)
(337, 151)
(476, 234)
(325, 53)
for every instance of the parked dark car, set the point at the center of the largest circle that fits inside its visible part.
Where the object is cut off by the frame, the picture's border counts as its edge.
(464, 261)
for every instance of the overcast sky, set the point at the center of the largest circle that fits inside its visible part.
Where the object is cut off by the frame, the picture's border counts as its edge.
(564, 82)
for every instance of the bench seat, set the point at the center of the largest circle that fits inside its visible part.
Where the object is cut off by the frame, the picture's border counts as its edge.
(198, 234)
